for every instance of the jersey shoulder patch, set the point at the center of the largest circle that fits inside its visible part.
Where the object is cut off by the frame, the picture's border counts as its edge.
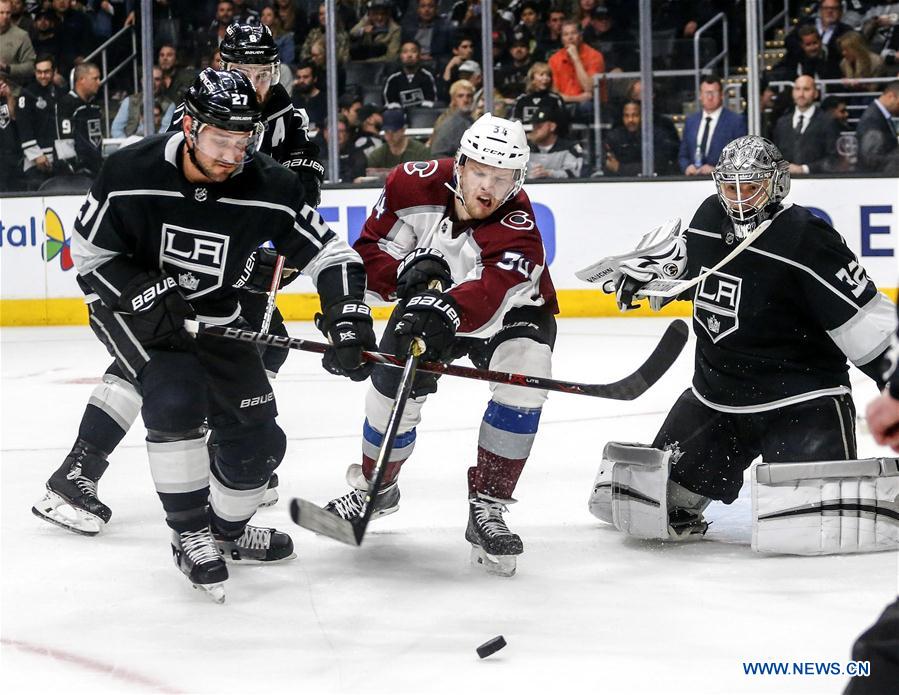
(416, 184)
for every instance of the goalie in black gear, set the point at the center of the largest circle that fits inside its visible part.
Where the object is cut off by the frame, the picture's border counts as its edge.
(115, 404)
(775, 329)
(163, 235)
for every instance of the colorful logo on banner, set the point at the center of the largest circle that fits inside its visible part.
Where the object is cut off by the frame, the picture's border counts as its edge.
(57, 244)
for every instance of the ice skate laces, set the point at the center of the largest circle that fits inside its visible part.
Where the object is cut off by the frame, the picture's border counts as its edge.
(85, 484)
(350, 505)
(489, 516)
(200, 546)
(255, 538)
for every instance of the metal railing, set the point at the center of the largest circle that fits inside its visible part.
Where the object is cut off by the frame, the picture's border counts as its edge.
(823, 91)
(723, 55)
(101, 50)
(784, 15)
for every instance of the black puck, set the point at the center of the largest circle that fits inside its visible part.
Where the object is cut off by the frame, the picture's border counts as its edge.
(491, 646)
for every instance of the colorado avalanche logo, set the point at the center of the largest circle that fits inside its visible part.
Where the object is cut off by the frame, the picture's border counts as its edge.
(423, 169)
(519, 220)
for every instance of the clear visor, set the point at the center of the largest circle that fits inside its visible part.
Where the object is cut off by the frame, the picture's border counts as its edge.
(227, 146)
(261, 76)
(744, 195)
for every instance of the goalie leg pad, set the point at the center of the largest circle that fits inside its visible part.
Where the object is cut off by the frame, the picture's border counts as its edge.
(826, 507)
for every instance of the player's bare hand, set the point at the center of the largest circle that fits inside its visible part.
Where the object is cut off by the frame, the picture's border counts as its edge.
(883, 420)
(706, 169)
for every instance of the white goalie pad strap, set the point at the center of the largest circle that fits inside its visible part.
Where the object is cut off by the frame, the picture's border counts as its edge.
(119, 399)
(826, 507)
(631, 490)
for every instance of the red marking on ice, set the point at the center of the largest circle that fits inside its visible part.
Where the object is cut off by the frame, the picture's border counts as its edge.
(90, 665)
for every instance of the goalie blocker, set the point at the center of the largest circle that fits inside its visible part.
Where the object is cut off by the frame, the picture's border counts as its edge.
(809, 508)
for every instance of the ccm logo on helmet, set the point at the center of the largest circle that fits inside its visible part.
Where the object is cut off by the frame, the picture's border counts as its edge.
(146, 298)
(437, 304)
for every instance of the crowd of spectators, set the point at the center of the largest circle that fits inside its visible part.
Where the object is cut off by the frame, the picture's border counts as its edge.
(409, 77)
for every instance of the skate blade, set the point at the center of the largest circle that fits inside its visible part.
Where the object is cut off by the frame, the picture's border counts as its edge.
(498, 565)
(216, 592)
(231, 560)
(270, 499)
(53, 508)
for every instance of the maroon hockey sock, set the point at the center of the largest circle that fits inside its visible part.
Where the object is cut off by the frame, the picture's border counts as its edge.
(494, 475)
(391, 470)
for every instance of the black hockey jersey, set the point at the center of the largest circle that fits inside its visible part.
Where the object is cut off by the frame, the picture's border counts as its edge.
(143, 215)
(403, 91)
(286, 138)
(80, 134)
(777, 323)
(36, 109)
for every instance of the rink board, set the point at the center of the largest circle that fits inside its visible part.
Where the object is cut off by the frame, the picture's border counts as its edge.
(580, 223)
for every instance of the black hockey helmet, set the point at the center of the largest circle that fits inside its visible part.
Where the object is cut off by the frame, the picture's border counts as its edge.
(246, 44)
(225, 99)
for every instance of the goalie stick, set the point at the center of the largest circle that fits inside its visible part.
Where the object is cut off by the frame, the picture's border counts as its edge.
(310, 516)
(630, 387)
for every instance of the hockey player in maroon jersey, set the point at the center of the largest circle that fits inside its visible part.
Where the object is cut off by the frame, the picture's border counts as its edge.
(467, 223)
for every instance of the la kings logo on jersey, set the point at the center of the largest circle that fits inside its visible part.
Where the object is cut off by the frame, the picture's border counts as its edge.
(196, 257)
(717, 304)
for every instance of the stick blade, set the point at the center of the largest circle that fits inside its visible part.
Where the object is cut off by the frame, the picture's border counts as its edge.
(312, 517)
(665, 354)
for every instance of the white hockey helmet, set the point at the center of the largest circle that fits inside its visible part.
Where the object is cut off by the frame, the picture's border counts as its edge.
(497, 142)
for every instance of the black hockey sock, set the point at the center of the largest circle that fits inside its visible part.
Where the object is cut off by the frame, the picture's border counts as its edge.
(99, 430)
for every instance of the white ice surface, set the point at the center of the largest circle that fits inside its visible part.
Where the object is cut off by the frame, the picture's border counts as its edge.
(588, 611)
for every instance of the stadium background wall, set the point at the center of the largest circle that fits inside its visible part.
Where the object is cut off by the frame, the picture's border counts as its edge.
(580, 223)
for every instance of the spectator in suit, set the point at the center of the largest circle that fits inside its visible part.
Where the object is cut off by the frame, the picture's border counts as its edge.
(433, 33)
(412, 85)
(706, 132)
(573, 68)
(552, 157)
(805, 135)
(811, 58)
(624, 145)
(878, 151)
(829, 26)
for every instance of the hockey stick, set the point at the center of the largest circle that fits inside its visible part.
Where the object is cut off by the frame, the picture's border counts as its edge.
(672, 288)
(272, 295)
(626, 389)
(311, 516)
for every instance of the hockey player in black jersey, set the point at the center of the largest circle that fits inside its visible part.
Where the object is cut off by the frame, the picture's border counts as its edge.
(115, 403)
(163, 235)
(774, 327)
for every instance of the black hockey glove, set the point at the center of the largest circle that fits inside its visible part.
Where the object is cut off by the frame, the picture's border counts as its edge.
(418, 269)
(347, 324)
(433, 317)
(259, 270)
(154, 309)
(311, 173)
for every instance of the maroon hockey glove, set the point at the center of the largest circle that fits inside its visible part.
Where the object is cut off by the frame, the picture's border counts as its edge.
(347, 324)
(418, 269)
(433, 317)
(154, 309)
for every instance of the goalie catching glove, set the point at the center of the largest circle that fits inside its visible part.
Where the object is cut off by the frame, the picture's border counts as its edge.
(347, 324)
(260, 269)
(153, 307)
(660, 255)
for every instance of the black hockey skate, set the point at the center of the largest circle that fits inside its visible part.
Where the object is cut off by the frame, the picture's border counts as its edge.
(197, 556)
(71, 500)
(493, 545)
(256, 546)
(686, 524)
(271, 492)
(349, 506)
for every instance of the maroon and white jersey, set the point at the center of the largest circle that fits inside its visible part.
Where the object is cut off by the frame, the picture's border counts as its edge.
(498, 263)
